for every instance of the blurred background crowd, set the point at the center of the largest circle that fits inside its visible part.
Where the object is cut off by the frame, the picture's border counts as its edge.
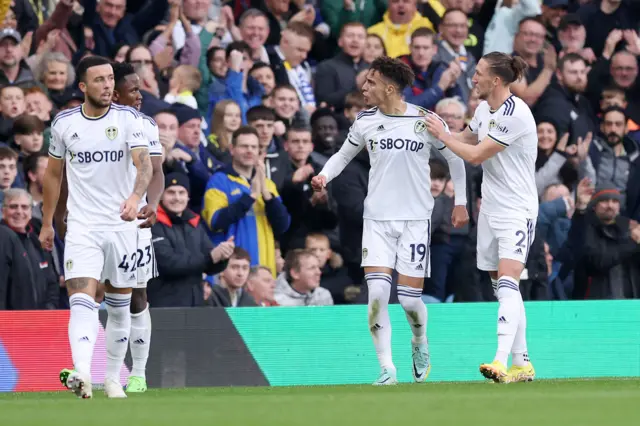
(252, 97)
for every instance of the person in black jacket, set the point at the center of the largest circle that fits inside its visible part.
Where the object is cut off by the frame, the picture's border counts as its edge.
(31, 282)
(183, 250)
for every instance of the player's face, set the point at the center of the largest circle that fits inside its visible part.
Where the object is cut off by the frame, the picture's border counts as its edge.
(98, 85)
(262, 285)
(483, 80)
(375, 89)
(8, 172)
(298, 145)
(17, 213)
(308, 275)
(547, 136)
(246, 150)
(128, 93)
(236, 274)
(175, 199)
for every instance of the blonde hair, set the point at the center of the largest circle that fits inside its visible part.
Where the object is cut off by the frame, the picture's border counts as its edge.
(191, 76)
(217, 123)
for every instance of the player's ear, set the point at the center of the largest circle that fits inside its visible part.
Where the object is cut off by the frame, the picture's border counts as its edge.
(82, 86)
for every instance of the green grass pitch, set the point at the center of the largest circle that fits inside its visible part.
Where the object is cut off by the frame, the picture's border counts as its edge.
(553, 403)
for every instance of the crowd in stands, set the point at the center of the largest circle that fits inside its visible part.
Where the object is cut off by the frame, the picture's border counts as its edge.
(252, 97)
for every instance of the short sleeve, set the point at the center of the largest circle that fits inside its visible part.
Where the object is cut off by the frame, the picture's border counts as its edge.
(505, 129)
(153, 135)
(436, 142)
(135, 133)
(475, 123)
(57, 148)
(354, 137)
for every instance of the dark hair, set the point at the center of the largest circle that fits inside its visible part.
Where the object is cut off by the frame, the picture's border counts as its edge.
(121, 71)
(89, 62)
(614, 88)
(240, 46)
(354, 99)
(27, 124)
(571, 58)
(384, 48)
(212, 51)
(438, 169)
(535, 19)
(319, 113)
(450, 11)
(394, 70)
(166, 111)
(615, 108)
(257, 66)
(423, 32)
(260, 112)
(508, 68)
(292, 261)
(6, 152)
(297, 128)
(352, 24)
(284, 86)
(240, 254)
(30, 164)
(127, 57)
(8, 86)
(243, 130)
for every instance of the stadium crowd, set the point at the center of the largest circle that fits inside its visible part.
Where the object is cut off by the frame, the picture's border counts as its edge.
(252, 97)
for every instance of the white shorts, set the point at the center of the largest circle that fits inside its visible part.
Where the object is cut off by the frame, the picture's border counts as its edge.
(146, 258)
(402, 245)
(102, 255)
(502, 237)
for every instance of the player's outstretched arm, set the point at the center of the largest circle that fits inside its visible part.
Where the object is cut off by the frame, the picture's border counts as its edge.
(50, 195)
(338, 161)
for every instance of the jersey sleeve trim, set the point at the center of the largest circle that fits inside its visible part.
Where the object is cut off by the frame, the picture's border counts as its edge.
(509, 106)
(367, 113)
(352, 142)
(498, 141)
(139, 147)
(55, 156)
(443, 147)
(155, 154)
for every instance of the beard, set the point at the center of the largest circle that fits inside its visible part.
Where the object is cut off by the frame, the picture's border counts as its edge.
(96, 102)
(613, 139)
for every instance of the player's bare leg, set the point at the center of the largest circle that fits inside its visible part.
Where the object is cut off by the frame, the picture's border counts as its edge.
(117, 332)
(379, 284)
(139, 340)
(83, 333)
(410, 297)
(512, 322)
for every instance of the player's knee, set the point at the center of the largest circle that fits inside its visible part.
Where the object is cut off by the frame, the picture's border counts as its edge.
(138, 300)
(510, 268)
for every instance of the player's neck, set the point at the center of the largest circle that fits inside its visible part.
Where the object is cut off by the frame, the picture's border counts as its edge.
(394, 106)
(498, 97)
(92, 111)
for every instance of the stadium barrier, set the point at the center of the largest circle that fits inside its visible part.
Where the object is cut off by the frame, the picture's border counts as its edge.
(328, 345)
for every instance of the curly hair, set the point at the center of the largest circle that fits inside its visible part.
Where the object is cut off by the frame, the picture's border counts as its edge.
(394, 70)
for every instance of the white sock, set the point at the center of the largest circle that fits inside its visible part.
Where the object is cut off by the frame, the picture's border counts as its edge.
(117, 332)
(140, 341)
(519, 351)
(379, 324)
(509, 300)
(416, 311)
(494, 284)
(83, 331)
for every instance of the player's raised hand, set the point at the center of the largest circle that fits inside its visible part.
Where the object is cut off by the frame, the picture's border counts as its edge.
(318, 183)
(129, 208)
(47, 235)
(459, 216)
(147, 213)
(435, 126)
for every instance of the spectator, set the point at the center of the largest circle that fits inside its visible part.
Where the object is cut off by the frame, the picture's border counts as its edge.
(286, 105)
(183, 250)
(8, 169)
(541, 61)
(608, 259)
(432, 79)
(254, 29)
(289, 62)
(336, 77)
(600, 18)
(34, 167)
(231, 289)
(454, 30)
(400, 19)
(353, 105)
(572, 37)
(507, 22)
(261, 286)
(241, 202)
(263, 73)
(334, 275)
(35, 285)
(111, 24)
(213, 68)
(563, 104)
(12, 105)
(226, 119)
(373, 48)
(56, 73)
(168, 129)
(185, 80)
(612, 152)
(300, 284)
(38, 104)
(162, 47)
(13, 68)
(552, 13)
(27, 131)
(324, 131)
(554, 216)
(310, 211)
(199, 162)
(276, 160)
(338, 13)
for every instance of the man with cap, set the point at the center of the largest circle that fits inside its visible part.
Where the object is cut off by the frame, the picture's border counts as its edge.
(606, 245)
(552, 13)
(13, 69)
(183, 249)
(572, 37)
(199, 163)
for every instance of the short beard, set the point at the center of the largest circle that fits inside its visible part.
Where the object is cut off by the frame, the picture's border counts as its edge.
(96, 102)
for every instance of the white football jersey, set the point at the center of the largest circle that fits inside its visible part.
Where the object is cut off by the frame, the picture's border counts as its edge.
(98, 157)
(508, 180)
(152, 135)
(400, 177)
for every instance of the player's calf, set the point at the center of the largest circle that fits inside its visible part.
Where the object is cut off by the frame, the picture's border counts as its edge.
(140, 340)
(117, 331)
